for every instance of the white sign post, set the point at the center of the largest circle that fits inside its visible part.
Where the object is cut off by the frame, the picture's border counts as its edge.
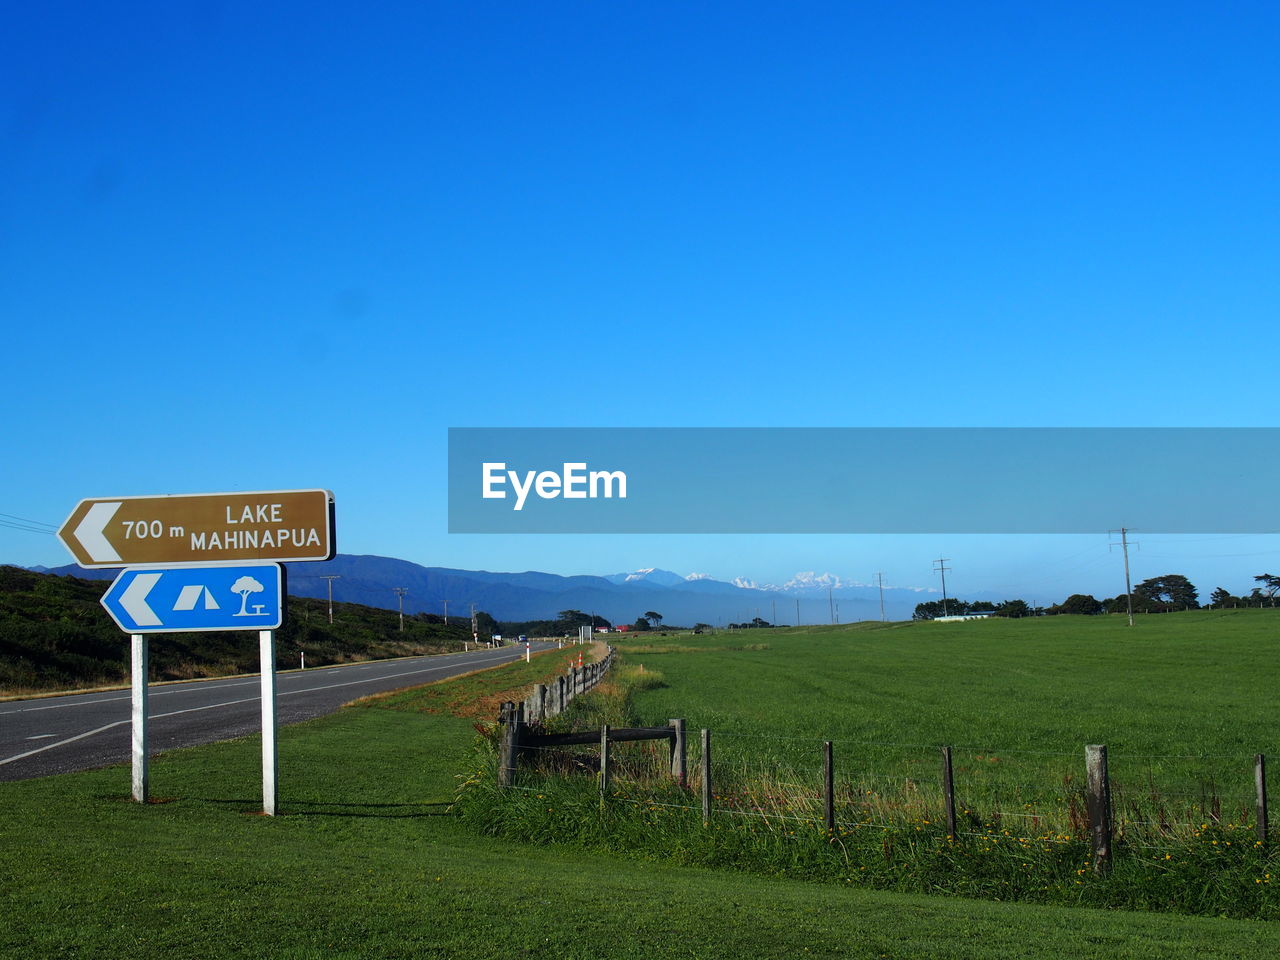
(139, 681)
(270, 765)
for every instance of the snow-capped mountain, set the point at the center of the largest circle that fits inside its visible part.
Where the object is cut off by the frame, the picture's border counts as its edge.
(808, 580)
(651, 575)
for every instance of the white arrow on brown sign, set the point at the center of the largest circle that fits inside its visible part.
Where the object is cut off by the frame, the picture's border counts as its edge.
(275, 525)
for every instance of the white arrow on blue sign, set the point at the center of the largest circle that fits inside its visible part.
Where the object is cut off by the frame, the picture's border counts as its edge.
(179, 599)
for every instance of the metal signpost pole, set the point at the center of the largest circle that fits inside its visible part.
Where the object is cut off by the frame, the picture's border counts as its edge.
(141, 779)
(270, 765)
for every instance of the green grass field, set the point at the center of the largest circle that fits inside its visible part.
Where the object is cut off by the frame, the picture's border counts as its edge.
(1181, 701)
(367, 861)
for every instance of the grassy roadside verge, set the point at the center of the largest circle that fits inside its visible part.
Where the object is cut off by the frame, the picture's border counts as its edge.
(479, 694)
(365, 862)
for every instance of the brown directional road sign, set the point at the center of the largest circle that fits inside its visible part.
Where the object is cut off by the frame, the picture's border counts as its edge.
(201, 528)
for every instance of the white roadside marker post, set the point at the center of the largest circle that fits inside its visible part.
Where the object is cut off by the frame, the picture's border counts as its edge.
(141, 780)
(270, 769)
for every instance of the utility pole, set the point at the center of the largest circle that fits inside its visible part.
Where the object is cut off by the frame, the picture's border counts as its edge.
(880, 581)
(797, 611)
(831, 604)
(475, 630)
(940, 567)
(400, 592)
(1128, 586)
(331, 579)
(775, 611)
(446, 613)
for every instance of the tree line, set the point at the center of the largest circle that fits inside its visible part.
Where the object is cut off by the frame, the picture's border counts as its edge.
(1162, 594)
(568, 622)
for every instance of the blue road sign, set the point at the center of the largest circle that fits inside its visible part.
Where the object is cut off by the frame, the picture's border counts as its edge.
(244, 596)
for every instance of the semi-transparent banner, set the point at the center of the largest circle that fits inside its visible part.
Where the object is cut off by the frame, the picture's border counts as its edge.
(864, 480)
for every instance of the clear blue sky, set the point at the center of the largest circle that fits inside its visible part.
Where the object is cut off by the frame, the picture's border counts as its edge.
(248, 247)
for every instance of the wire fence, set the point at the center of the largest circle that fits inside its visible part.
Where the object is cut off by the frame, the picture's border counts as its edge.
(1025, 796)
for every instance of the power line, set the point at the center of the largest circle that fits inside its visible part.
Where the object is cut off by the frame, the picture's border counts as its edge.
(19, 526)
(37, 523)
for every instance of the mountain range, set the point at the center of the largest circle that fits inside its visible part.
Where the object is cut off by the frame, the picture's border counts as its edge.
(621, 597)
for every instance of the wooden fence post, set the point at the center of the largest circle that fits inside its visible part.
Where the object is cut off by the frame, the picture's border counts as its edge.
(706, 776)
(829, 787)
(542, 701)
(1098, 802)
(679, 757)
(949, 791)
(560, 694)
(575, 681)
(604, 760)
(1260, 782)
(510, 749)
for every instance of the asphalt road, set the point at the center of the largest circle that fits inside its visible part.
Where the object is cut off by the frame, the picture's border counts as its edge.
(84, 730)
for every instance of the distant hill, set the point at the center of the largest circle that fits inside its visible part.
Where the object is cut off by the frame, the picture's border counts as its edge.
(620, 597)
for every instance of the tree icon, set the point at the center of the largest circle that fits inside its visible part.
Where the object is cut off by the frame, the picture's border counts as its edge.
(245, 586)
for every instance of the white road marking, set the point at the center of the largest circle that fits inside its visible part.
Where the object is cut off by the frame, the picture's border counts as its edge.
(68, 701)
(42, 736)
(231, 703)
(50, 746)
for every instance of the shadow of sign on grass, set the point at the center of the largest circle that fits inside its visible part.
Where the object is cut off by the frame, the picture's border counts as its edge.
(319, 808)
